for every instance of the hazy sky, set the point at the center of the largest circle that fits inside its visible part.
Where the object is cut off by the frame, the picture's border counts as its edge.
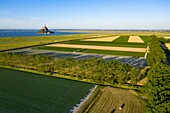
(85, 14)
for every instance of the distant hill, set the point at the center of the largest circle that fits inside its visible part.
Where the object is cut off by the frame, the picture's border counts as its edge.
(45, 30)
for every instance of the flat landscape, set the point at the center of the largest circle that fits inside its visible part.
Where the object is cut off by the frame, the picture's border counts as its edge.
(129, 45)
(51, 95)
(85, 56)
(99, 47)
(22, 92)
(135, 39)
(20, 42)
(111, 45)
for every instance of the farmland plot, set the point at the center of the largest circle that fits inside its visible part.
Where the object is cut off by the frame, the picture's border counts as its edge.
(167, 37)
(135, 39)
(110, 99)
(146, 39)
(121, 39)
(119, 43)
(22, 92)
(99, 47)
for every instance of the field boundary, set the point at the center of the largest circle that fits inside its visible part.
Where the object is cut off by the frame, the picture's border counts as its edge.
(92, 103)
(76, 110)
(92, 51)
(110, 100)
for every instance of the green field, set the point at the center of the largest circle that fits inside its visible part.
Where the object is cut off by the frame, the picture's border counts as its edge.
(22, 92)
(57, 48)
(122, 53)
(96, 43)
(110, 99)
(107, 52)
(19, 42)
(122, 39)
(146, 39)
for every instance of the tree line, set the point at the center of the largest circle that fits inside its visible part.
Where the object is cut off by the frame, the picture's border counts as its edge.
(156, 53)
(94, 69)
(33, 62)
(158, 85)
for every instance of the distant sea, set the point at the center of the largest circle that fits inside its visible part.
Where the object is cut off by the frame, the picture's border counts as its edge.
(22, 33)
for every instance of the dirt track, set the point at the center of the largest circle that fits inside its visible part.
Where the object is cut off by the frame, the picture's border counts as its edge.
(100, 47)
(105, 39)
(135, 39)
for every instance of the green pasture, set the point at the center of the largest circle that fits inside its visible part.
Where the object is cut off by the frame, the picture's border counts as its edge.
(22, 92)
(146, 39)
(97, 43)
(121, 53)
(121, 39)
(19, 42)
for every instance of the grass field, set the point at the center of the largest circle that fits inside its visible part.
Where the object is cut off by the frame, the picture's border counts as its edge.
(18, 42)
(146, 39)
(121, 39)
(121, 53)
(137, 45)
(110, 99)
(107, 52)
(22, 92)
(58, 48)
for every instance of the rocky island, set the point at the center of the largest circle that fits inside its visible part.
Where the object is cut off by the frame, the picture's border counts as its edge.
(45, 30)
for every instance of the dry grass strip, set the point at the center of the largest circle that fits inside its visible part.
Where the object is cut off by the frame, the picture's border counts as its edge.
(167, 37)
(100, 47)
(168, 46)
(135, 39)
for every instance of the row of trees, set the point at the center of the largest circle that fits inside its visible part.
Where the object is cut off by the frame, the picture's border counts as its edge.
(33, 62)
(158, 85)
(156, 53)
(158, 89)
(95, 69)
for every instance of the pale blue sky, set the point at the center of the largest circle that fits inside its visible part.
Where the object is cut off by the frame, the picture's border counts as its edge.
(85, 14)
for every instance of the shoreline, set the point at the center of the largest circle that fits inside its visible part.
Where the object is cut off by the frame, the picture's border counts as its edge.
(33, 33)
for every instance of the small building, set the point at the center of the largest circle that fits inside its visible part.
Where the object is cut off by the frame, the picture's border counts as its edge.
(45, 30)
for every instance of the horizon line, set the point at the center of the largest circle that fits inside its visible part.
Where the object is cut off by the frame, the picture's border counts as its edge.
(128, 29)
